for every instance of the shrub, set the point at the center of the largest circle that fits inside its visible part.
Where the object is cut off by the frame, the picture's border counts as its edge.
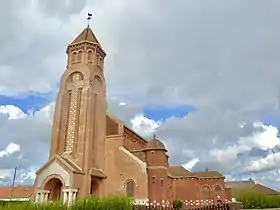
(252, 200)
(177, 204)
(90, 203)
(108, 202)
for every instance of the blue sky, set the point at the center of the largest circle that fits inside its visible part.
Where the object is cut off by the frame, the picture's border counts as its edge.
(162, 113)
(33, 102)
(27, 102)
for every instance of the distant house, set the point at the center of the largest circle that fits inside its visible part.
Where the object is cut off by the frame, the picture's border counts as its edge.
(238, 187)
(17, 193)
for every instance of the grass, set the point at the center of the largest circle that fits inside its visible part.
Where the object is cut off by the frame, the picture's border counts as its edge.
(91, 203)
(253, 200)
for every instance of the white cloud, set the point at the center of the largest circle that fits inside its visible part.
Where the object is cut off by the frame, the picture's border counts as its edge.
(10, 149)
(271, 161)
(189, 165)
(265, 139)
(12, 111)
(144, 125)
(27, 175)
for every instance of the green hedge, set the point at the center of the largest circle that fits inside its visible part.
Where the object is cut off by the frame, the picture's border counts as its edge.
(251, 200)
(93, 203)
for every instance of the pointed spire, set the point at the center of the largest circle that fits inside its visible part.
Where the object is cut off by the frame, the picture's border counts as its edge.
(85, 35)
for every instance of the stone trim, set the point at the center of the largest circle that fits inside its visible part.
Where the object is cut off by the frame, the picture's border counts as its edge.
(70, 190)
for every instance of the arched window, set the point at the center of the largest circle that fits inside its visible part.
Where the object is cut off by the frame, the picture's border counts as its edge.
(130, 185)
(76, 76)
(74, 57)
(205, 192)
(90, 57)
(80, 55)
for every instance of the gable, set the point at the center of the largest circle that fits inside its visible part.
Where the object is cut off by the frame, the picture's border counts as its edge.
(53, 167)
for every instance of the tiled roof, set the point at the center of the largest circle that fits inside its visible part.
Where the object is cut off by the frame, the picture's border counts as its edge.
(238, 187)
(16, 192)
(242, 183)
(179, 171)
(86, 35)
(155, 144)
(208, 174)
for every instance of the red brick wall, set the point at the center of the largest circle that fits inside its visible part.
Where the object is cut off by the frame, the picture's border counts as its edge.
(157, 179)
(170, 190)
(215, 194)
(132, 141)
(156, 158)
(228, 194)
(186, 189)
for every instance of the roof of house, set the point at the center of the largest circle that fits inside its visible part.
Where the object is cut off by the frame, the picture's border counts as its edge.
(242, 183)
(155, 144)
(208, 174)
(86, 35)
(179, 171)
(16, 192)
(238, 187)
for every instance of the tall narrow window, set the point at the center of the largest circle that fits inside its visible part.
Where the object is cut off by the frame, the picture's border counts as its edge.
(80, 56)
(74, 57)
(130, 185)
(90, 57)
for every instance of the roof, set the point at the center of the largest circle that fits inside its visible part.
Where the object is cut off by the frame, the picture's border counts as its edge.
(62, 160)
(86, 35)
(17, 192)
(208, 174)
(243, 183)
(238, 187)
(179, 171)
(155, 144)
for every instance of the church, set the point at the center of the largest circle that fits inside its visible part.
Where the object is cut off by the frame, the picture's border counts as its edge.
(94, 154)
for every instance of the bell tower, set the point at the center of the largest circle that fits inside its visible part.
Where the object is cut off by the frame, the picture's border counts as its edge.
(79, 125)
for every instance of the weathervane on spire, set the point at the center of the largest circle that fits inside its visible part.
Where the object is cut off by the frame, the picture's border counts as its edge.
(89, 18)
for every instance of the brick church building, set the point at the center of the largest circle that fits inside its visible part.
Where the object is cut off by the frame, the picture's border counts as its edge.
(93, 153)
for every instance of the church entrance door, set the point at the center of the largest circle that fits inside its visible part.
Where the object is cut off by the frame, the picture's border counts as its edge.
(94, 191)
(55, 187)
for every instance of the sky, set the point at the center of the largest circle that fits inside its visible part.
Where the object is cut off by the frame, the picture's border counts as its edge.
(201, 75)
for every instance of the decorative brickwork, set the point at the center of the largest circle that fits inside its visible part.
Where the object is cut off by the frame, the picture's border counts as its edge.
(73, 110)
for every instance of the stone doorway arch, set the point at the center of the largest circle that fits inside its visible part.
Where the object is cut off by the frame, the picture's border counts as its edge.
(54, 186)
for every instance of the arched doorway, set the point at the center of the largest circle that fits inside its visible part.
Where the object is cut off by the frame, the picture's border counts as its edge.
(54, 185)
